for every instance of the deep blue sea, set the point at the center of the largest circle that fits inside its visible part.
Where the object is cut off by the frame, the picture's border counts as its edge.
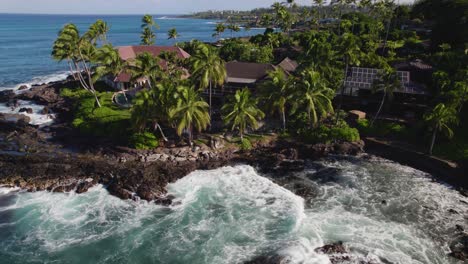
(26, 41)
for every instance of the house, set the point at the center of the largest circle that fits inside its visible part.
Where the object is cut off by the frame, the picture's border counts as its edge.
(129, 53)
(420, 71)
(244, 74)
(288, 65)
(248, 74)
(361, 80)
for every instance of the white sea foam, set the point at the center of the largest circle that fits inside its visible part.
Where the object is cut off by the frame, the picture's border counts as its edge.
(38, 80)
(37, 118)
(231, 215)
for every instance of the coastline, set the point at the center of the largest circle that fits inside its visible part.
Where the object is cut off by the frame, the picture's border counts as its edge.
(47, 152)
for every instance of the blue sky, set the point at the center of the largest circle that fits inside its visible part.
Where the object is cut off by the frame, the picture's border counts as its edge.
(130, 6)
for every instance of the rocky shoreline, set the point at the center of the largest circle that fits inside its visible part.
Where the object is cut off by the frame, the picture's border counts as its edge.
(33, 159)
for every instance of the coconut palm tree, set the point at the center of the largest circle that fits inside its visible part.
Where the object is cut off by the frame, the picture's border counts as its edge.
(108, 62)
(319, 4)
(219, 30)
(207, 69)
(152, 106)
(145, 66)
(148, 37)
(173, 34)
(314, 95)
(440, 119)
(98, 31)
(79, 53)
(276, 92)
(387, 82)
(190, 113)
(233, 28)
(349, 48)
(241, 112)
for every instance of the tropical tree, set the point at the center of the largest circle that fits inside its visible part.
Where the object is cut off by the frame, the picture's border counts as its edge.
(241, 112)
(173, 34)
(145, 66)
(219, 29)
(207, 69)
(387, 82)
(152, 106)
(314, 95)
(349, 48)
(148, 37)
(233, 28)
(440, 119)
(98, 31)
(276, 92)
(319, 4)
(190, 113)
(109, 62)
(79, 52)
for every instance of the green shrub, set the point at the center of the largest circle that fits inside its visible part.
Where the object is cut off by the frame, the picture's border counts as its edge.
(108, 121)
(145, 140)
(382, 129)
(245, 144)
(326, 134)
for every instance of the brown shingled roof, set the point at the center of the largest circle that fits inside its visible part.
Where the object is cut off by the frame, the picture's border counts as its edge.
(288, 65)
(246, 71)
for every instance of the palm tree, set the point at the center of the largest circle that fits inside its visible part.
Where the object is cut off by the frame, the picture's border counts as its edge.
(79, 52)
(440, 119)
(153, 105)
(314, 94)
(241, 111)
(219, 29)
(319, 3)
(387, 82)
(276, 92)
(173, 34)
(109, 62)
(190, 113)
(98, 31)
(233, 28)
(207, 68)
(148, 37)
(145, 66)
(351, 51)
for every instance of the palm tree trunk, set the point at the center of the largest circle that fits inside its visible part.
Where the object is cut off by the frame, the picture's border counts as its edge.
(380, 108)
(210, 99)
(157, 126)
(96, 98)
(386, 37)
(431, 147)
(284, 119)
(342, 90)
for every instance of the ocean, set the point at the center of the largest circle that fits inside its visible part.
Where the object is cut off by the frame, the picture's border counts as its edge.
(383, 212)
(26, 41)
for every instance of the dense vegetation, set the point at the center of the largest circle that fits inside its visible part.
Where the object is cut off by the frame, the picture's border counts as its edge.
(325, 40)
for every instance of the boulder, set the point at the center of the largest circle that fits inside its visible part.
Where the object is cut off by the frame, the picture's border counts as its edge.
(23, 87)
(7, 96)
(45, 110)
(356, 115)
(26, 110)
(216, 143)
(14, 118)
(336, 248)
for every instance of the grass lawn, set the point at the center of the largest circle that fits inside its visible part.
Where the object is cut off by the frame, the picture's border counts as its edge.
(108, 121)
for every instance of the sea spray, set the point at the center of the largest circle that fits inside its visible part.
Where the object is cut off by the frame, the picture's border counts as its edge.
(232, 215)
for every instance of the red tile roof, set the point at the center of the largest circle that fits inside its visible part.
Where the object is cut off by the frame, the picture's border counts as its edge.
(130, 52)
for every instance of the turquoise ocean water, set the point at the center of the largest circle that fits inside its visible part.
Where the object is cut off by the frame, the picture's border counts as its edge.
(26, 41)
